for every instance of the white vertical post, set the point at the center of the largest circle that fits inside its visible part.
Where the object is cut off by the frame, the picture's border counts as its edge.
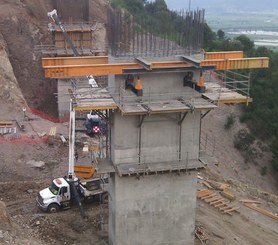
(71, 141)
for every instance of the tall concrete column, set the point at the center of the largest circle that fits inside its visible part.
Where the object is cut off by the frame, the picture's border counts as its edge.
(153, 209)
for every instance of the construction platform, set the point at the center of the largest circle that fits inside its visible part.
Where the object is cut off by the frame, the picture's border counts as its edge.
(223, 95)
(129, 104)
(88, 98)
(159, 167)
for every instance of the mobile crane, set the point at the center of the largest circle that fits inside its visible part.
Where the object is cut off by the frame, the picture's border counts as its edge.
(64, 191)
(94, 125)
(54, 16)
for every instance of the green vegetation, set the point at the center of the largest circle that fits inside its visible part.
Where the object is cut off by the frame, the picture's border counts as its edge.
(151, 14)
(243, 140)
(156, 18)
(262, 114)
(230, 121)
(263, 170)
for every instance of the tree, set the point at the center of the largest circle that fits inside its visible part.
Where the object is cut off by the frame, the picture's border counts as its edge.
(209, 37)
(221, 34)
(160, 5)
(248, 44)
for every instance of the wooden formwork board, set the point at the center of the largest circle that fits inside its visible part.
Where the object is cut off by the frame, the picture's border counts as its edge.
(209, 196)
(216, 201)
(6, 123)
(221, 204)
(204, 192)
(230, 209)
(262, 211)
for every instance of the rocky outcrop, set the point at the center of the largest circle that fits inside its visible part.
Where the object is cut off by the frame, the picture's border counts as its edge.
(9, 89)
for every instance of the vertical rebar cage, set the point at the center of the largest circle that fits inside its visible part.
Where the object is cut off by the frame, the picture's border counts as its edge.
(132, 37)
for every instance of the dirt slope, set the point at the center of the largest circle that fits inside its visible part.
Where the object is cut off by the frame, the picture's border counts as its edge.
(232, 164)
(23, 24)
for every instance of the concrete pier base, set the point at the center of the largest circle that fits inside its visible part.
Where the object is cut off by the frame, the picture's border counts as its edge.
(153, 209)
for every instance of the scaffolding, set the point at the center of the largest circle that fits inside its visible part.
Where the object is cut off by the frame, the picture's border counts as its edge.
(227, 87)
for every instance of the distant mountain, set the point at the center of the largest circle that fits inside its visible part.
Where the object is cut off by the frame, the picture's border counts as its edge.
(224, 6)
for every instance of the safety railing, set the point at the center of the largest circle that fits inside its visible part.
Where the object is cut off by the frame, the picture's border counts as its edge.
(230, 80)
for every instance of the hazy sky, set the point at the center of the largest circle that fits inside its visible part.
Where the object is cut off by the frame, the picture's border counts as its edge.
(184, 4)
(224, 5)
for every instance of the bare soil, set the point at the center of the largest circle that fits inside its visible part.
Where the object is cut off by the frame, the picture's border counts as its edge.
(21, 222)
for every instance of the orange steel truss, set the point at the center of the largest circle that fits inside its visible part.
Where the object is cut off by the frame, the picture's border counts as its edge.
(98, 65)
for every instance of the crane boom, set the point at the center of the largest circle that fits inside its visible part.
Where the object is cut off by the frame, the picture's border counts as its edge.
(71, 141)
(54, 16)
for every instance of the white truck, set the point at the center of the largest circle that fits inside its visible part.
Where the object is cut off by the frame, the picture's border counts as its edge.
(61, 195)
(64, 191)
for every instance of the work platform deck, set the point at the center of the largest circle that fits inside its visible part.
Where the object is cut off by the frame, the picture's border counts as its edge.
(142, 107)
(87, 98)
(159, 167)
(105, 166)
(223, 95)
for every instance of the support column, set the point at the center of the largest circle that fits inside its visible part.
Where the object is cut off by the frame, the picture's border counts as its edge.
(152, 210)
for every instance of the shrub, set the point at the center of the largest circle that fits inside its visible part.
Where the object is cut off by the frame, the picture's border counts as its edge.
(275, 164)
(263, 170)
(230, 121)
(243, 140)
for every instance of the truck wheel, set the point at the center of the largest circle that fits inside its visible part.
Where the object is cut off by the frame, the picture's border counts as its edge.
(104, 198)
(53, 208)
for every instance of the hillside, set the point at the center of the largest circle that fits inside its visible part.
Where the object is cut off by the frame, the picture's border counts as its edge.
(14, 14)
(22, 26)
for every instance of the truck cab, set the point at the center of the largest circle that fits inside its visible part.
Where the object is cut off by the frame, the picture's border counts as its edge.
(54, 197)
(59, 194)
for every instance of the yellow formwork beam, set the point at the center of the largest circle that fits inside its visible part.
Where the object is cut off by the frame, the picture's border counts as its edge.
(224, 55)
(79, 66)
(102, 69)
(61, 61)
(95, 107)
(86, 70)
(232, 64)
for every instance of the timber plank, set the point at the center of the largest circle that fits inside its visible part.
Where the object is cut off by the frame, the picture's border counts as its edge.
(221, 204)
(212, 199)
(203, 193)
(207, 184)
(217, 201)
(231, 209)
(250, 201)
(262, 211)
(209, 196)
(6, 123)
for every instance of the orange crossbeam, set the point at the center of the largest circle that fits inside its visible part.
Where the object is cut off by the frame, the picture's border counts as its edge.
(84, 60)
(85, 66)
(224, 55)
(232, 64)
(102, 69)
(86, 70)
